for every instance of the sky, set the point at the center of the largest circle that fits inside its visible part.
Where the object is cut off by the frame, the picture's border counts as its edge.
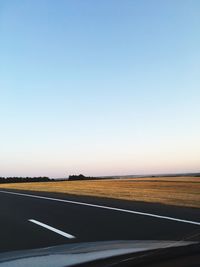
(99, 87)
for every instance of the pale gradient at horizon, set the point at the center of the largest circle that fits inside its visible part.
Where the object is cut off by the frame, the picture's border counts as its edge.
(99, 88)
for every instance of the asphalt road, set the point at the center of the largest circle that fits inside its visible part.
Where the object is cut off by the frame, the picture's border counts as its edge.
(34, 220)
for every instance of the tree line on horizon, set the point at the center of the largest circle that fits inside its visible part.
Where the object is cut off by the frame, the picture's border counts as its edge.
(24, 179)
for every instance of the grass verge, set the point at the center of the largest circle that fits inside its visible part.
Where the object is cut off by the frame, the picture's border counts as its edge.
(180, 191)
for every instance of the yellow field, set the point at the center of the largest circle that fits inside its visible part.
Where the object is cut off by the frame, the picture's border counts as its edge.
(182, 191)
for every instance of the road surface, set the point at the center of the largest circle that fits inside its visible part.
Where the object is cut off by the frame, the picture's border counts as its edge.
(35, 219)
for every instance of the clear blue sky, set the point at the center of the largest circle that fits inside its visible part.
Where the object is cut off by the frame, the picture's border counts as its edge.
(99, 87)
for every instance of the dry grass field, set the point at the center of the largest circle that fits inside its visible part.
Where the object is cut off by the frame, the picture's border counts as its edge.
(181, 191)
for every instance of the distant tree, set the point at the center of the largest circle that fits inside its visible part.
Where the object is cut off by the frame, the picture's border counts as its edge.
(77, 177)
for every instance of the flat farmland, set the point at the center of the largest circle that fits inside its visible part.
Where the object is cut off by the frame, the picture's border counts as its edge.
(179, 191)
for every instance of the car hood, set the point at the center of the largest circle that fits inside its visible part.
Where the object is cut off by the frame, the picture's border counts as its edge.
(79, 253)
